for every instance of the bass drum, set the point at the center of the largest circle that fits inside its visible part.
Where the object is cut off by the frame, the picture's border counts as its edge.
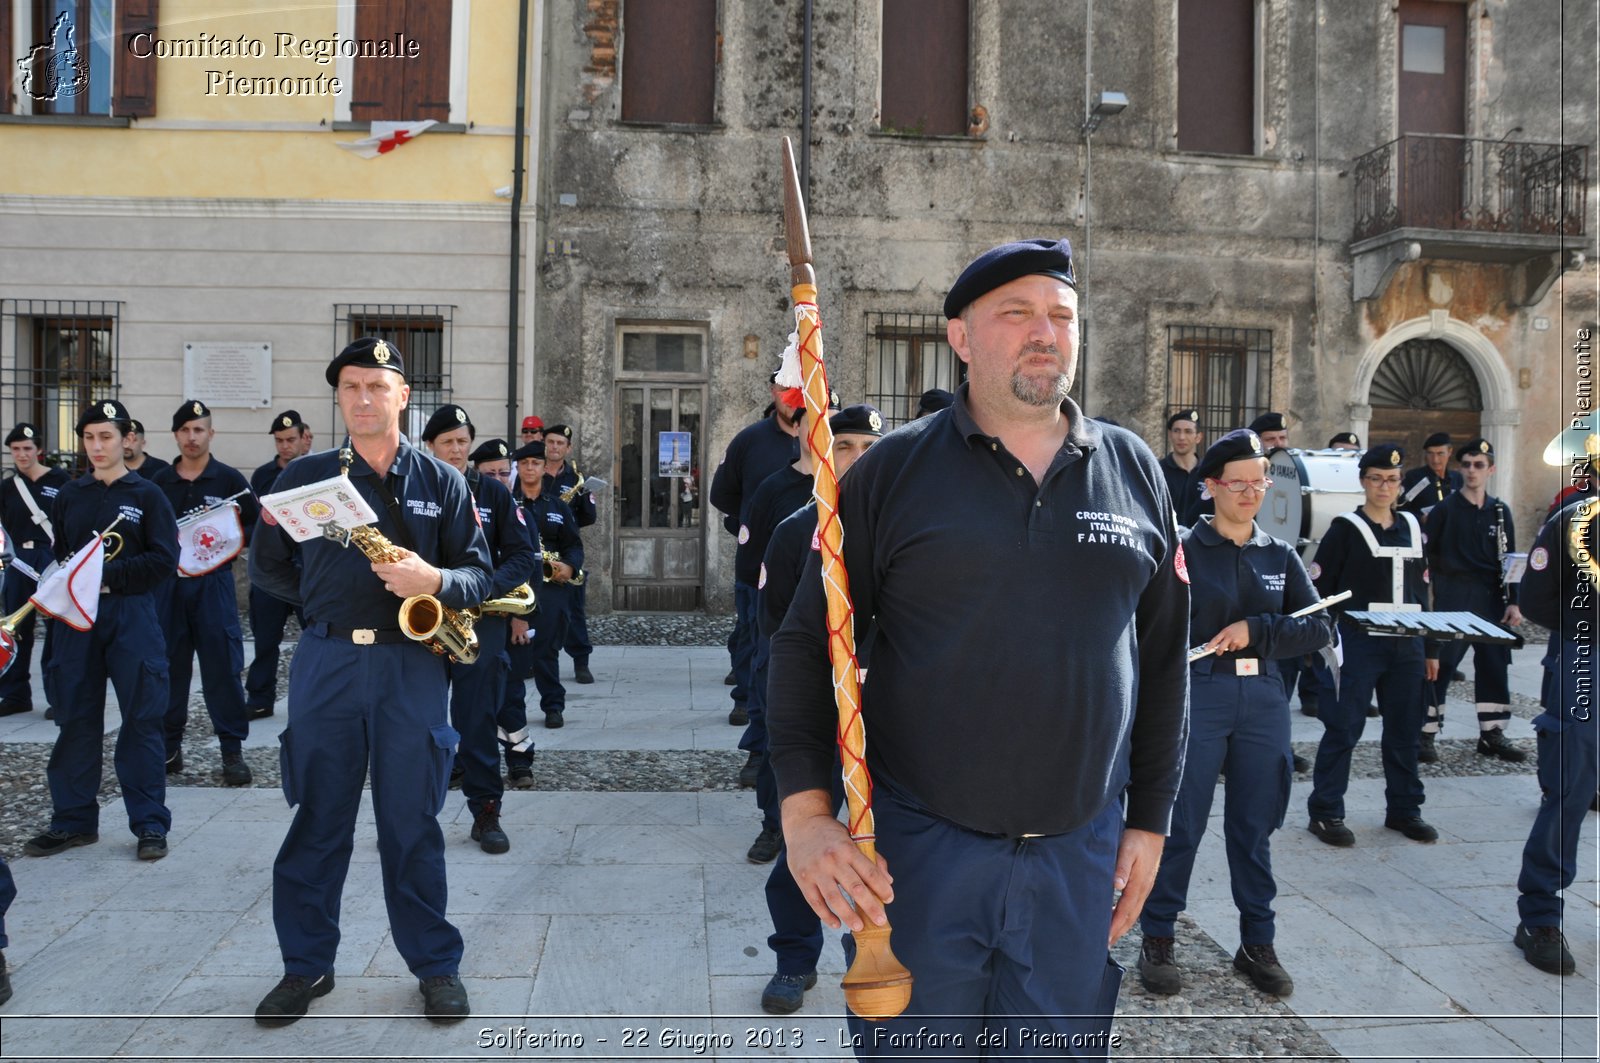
(1309, 489)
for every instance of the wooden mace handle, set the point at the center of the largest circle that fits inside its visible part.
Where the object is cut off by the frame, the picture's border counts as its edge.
(877, 986)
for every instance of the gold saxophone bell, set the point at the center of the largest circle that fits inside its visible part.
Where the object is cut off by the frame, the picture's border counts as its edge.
(548, 568)
(572, 492)
(425, 619)
(518, 601)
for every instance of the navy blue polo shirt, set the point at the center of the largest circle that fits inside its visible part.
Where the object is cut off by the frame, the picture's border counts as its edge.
(1177, 477)
(149, 529)
(582, 504)
(758, 451)
(1261, 583)
(26, 537)
(150, 466)
(265, 476)
(1421, 490)
(1027, 641)
(1462, 541)
(505, 528)
(792, 542)
(553, 525)
(335, 584)
(216, 482)
(1343, 563)
(779, 495)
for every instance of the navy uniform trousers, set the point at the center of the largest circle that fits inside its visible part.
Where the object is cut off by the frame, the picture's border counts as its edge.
(1241, 722)
(1569, 761)
(540, 657)
(1490, 663)
(125, 646)
(268, 617)
(350, 708)
(796, 938)
(17, 684)
(1393, 666)
(477, 692)
(200, 614)
(8, 893)
(742, 644)
(576, 642)
(1003, 935)
(754, 739)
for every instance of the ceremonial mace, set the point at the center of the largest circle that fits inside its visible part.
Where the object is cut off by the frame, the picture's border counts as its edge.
(877, 985)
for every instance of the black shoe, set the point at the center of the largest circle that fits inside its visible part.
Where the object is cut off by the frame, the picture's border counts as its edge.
(152, 845)
(444, 998)
(520, 777)
(50, 712)
(175, 763)
(554, 719)
(1494, 743)
(235, 772)
(15, 708)
(1372, 712)
(54, 841)
(1457, 676)
(5, 980)
(786, 992)
(260, 712)
(1260, 962)
(486, 829)
(1594, 806)
(457, 773)
(738, 715)
(291, 997)
(748, 773)
(1413, 827)
(1301, 764)
(1309, 706)
(1427, 750)
(1545, 948)
(730, 680)
(1157, 969)
(581, 673)
(765, 848)
(1333, 831)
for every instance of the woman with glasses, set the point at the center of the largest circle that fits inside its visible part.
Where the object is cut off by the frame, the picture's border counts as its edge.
(1360, 553)
(1243, 586)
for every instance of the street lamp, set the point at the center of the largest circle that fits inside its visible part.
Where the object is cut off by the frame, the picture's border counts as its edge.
(1104, 106)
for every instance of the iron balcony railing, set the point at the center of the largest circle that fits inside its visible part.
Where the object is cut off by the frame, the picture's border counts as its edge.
(1429, 181)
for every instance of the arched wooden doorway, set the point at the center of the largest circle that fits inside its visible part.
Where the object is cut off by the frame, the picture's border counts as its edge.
(1421, 387)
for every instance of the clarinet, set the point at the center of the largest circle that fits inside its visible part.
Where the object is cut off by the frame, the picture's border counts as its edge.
(1500, 546)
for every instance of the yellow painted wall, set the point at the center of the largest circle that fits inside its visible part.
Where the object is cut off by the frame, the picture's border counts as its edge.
(442, 167)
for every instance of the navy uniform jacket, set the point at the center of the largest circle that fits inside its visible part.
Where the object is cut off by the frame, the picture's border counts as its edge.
(27, 539)
(779, 495)
(505, 527)
(335, 584)
(552, 525)
(264, 477)
(785, 559)
(149, 529)
(151, 466)
(1463, 541)
(1028, 640)
(215, 482)
(1177, 478)
(1343, 562)
(1430, 489)
(1562, 595)
(758, 451)
(582, 504)
(1261, 583)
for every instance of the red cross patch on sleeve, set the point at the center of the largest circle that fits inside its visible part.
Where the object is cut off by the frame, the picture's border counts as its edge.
(1179, 565)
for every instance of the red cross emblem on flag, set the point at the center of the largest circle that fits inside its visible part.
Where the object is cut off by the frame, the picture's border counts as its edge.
(207, 539)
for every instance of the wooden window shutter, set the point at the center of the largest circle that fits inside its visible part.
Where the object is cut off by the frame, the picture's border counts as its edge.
(669, 55)
(924, 67)
(403, 90)
(1216, 76)
(135, 89)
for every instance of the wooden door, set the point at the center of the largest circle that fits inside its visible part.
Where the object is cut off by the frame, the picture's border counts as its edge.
(660, 533)
(1433, 100)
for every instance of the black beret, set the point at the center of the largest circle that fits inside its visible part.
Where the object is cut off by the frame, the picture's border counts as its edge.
(191, 410)
(1382, 456)
(1271, 421)
(1473, 447)
(534, 449)
(933, 400)
(1004, 264)
(858, 420)
(104, 410)
(135, 427)
(1438, 439)
(23, 433)
(448, 418)
(286, 419)
(1239, 443)
(1349, 438)
(489, 450)
(562, 430)
(369, 353)
(1184, 415)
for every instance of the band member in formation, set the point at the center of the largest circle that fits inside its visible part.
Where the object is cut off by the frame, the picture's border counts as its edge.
(1428, 484)
(999, 791)
(477, 690)
(361, 692)
(1244, 585)
(1344, 441)
(133, 455)
(1559, 592)
(566, 481)
(29, 495)
(1184, 437)
(1468, 535)
(758, 451)
(200, 608)
(1358, 554)
(796, 937)
(532, 429)
(123, 644)
(492, 460)
(291, 437)
(536, 641)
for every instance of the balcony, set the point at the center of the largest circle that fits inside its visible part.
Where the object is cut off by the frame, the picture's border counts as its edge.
(1450, 197)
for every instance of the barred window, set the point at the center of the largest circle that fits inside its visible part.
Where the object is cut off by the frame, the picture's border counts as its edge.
(1225, 373)
(906, 355)
(58, 355)
(422, 335)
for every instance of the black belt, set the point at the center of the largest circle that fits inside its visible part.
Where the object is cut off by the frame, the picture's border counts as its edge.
(368, 636)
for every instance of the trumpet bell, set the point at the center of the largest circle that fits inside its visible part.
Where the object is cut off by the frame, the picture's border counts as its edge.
(8, 650)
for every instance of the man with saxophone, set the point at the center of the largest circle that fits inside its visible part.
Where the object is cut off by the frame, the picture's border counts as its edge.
(1029, 604)
(24, 513)
(536, 642)
(477, 690)
(568, 482)
(362, 693)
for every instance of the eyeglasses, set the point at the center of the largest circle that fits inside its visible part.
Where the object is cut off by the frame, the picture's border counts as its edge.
(1383, 481)
(1474, 465)
(1239, 487)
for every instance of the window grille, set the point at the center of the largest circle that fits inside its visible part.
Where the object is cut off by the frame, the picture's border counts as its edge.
(57, 356)
(906, 355)
(1225, 373)
(422, 334)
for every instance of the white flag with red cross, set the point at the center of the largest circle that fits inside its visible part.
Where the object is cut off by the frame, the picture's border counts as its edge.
(386, 136)
(70, 591)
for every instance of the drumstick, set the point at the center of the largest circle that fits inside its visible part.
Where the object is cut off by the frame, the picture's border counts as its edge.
(1205, 651)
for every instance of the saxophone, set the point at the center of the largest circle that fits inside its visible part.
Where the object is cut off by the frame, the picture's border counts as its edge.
(518, 601)
(572, 492)
(548, 566)
(423, 617)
